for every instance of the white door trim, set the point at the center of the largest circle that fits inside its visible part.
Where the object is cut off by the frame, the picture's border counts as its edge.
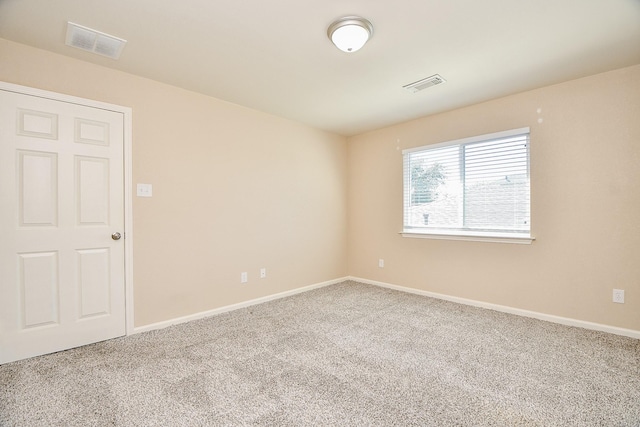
(128, 179)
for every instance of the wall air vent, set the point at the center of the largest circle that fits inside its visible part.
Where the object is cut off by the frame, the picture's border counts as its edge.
(94, 41)
(436, 79)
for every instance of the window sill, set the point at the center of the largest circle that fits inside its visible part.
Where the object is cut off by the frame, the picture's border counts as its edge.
(522, 239)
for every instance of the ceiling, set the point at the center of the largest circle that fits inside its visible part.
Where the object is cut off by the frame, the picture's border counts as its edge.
(275, 55)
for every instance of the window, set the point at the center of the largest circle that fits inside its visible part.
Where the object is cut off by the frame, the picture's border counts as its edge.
(474, 188)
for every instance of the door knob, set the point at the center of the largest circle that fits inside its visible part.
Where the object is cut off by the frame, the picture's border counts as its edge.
(116, 236)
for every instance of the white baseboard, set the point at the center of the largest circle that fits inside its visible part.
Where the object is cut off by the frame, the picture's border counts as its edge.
(502, 308)
(220, 310)
(506, 309)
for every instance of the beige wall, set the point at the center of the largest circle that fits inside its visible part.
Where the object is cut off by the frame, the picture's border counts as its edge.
(585, 204)
(233, 189)
(236, 190)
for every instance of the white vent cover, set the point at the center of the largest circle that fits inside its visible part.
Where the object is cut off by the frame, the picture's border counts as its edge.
(436, 79)
(94, 41)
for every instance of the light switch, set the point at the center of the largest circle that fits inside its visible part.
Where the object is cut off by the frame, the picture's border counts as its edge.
(144, 190)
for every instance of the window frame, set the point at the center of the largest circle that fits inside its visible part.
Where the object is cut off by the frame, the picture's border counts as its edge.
(463, 234)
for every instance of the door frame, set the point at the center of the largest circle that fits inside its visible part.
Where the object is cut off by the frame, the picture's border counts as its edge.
(128, 179)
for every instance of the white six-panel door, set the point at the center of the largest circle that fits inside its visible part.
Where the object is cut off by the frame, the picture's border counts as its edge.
(62, 278)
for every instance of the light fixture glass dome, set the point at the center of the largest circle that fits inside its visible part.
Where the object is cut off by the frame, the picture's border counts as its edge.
(350, 33)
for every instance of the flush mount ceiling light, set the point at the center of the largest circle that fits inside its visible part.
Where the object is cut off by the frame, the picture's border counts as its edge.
(350, 33)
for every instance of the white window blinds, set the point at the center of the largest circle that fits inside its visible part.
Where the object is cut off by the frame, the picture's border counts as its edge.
(476, 186)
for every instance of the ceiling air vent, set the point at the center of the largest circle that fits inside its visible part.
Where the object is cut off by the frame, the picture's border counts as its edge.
(436, 79)
(94, 41)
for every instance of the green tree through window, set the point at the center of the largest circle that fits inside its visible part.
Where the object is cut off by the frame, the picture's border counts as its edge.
(425, 181)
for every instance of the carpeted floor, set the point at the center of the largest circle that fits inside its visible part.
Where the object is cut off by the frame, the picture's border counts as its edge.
(344, 355)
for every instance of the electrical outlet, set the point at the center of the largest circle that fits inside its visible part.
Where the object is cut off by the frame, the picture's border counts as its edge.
(263, 273)
(381, 263)
(243, 277)
(618, 296)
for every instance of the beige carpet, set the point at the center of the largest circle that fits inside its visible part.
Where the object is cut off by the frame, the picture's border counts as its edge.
(345, 355)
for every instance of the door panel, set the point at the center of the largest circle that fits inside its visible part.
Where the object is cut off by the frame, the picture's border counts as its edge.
(62, 188)
(37, 188)
(92, 190)
(39, 289)
(39, 124)
(94, 282)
